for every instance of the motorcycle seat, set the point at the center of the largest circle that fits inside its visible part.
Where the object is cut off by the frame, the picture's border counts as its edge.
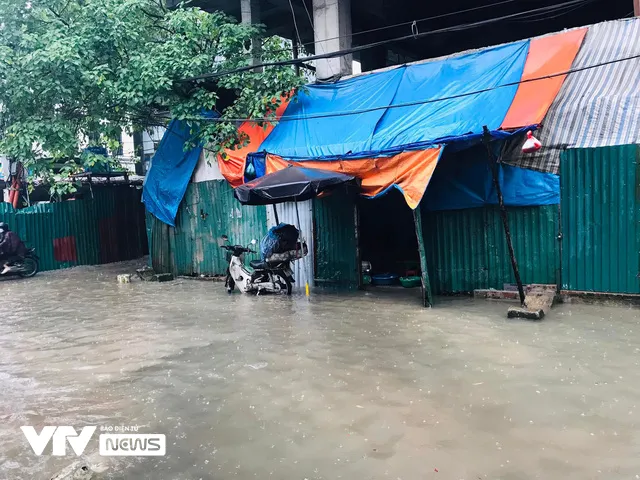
(258, 264)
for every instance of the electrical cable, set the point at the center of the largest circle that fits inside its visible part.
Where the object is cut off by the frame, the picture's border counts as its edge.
(420, 102)
(313, 29)
(545, 16)
(411, 22)
(359, 48)
(402, 24)
(295, 23)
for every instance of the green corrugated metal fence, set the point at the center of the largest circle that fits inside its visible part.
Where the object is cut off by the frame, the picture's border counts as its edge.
(600, 191)
(106, 228)
(335, 243)
(208, 211)
(466, 249)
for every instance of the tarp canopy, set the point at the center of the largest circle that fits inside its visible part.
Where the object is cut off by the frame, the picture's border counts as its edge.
(417, 108)
(171, 168)
(232, 162)
(409, 172)
(397, 112)
(595, 107)
(463, 180)
(288, 185)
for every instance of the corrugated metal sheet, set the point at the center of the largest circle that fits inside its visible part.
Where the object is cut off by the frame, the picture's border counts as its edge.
(597, 106)
(600, 190)
(302, 269)
(208, 211)
(336, 261)
(466, 249)
(68, 233)
(207, 168)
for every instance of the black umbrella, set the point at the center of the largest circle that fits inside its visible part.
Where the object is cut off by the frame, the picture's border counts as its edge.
(289, 185)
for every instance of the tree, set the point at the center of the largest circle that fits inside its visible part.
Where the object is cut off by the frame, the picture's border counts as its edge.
(76, 72)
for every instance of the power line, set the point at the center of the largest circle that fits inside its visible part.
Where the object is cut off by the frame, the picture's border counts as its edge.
(402, 24)
(540, 17)
(421, 102)
(340, 53)
(313, 29)
(295, 23)
(411, 22)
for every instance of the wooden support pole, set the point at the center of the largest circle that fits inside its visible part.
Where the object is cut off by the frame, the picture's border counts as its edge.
(503, 213)
(356, 224)
(427, 298)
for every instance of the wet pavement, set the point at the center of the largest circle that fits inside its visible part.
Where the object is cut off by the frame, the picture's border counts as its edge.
(354, 386)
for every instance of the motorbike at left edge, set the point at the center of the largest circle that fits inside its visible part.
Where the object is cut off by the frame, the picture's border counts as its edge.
(23, 266)
(273, 275)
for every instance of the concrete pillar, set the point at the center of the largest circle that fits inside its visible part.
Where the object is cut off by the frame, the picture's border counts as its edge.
(250, 15)
(332, 18)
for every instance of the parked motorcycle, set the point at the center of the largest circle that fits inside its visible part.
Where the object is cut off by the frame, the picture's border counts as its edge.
(272, 276)
(25, 267)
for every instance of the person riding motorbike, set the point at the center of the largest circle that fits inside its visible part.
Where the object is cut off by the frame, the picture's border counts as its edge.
(10, 247)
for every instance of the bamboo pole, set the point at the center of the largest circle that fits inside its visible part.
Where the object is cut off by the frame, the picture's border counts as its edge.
(503, 213)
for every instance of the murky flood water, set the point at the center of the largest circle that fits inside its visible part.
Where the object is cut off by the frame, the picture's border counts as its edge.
(353, 387)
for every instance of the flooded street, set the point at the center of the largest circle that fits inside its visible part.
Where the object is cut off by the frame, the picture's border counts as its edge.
(354, 386)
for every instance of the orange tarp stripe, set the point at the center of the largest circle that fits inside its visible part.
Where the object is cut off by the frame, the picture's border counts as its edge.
(233, 163)
(411, 171)
(547, 56)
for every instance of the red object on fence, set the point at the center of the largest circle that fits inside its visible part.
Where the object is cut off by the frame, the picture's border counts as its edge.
(64, 249)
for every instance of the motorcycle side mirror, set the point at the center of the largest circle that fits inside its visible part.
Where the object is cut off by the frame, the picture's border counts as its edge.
(254, 241)
(222, 240)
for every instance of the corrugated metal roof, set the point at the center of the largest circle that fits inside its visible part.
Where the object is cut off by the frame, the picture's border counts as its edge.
(595, 107)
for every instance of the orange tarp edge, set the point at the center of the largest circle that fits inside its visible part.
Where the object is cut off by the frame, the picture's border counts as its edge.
(233, 163)
(411, 171)
(547, 56)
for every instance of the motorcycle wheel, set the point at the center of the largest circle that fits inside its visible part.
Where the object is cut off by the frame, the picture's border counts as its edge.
(287, 284)
(29, 267)
(230, 284)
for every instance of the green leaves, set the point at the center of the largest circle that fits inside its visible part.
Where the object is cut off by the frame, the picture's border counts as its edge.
(74, 70)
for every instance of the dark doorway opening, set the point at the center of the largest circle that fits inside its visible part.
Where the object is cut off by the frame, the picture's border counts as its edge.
(387, 238)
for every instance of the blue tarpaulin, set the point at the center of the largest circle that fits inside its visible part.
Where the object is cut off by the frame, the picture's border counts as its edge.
(171, 169)
(319, 127)
(464, 180)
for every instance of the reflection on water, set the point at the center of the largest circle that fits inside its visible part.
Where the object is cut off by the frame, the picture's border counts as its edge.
(357, 386)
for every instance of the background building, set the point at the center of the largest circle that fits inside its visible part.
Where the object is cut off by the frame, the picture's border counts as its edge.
(440, 28)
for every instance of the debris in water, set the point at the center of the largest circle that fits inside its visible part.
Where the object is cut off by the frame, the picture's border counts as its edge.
(257, 366)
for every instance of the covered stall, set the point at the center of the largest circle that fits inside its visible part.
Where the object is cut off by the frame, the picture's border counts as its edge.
(441, 124)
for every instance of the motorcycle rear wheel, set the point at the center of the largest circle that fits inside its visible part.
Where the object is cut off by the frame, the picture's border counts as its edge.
(287, 284)
(29, 267)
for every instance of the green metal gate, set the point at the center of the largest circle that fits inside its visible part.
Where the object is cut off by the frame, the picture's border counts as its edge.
(600, 195)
